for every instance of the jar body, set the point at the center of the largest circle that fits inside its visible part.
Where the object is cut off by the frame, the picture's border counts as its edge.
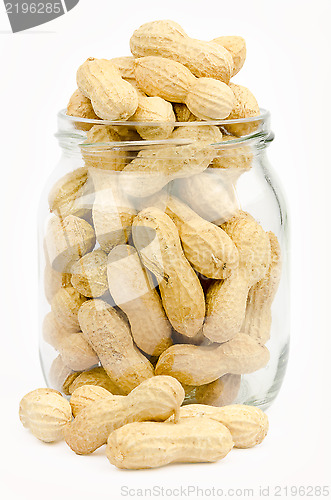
(136, 229)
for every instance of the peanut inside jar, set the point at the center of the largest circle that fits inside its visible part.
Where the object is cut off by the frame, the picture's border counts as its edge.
(164, 254)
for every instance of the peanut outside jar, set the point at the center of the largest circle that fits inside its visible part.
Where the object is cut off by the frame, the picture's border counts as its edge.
(165, 256)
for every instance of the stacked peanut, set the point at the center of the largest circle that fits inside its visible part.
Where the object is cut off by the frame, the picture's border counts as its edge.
(147, 428)
(152, 268)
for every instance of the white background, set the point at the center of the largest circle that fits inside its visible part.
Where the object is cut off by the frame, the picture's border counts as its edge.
(288, 69)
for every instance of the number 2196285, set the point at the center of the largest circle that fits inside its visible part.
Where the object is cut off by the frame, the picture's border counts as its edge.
(34, 8)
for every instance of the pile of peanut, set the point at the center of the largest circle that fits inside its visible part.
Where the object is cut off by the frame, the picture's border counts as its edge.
(153, 271)
(147, 428)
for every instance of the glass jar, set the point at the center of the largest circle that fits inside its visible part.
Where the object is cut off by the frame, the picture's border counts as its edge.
(165, 250)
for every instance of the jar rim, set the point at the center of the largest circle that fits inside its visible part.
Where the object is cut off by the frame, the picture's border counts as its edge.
(263, 116)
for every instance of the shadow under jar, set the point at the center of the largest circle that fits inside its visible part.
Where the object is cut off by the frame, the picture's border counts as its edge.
(165, 256)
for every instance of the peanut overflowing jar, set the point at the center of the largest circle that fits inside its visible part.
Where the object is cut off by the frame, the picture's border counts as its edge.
(164, 231)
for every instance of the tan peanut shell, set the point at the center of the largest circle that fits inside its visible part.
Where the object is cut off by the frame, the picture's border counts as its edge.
(234, 159)
(125, 65)
(89, 274)
(64, 197)
(145, 445)
(199, 365)
(226, 300)
(77, 353)
(133, 291)
(59, 373)
(221, 392)
(257, 321)
(209, 194)
(225, 307)
(246, 106)
(45, 413)
(99, 150)
(53, 332)
(248, 425)
(96, 376)
(67, 241)
(87, 394)
(168, 39)
(236, 45)
(160, 77)
(206, 98)
(206, 246)
(53, 281)
(252, 242)
(65, 306)
(157, 240)
(155, 399)
(210, 99)
(68, 381)
(112, 212)
(112, 97)
(205, 133)
(110, 337)
(80, 106)
(154, 109)
(182, 113)
(153, 169)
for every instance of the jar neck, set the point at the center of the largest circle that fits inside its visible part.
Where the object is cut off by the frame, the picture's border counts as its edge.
(74, 135)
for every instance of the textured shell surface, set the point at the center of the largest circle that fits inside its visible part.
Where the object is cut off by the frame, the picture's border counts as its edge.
(110, 337)
(246, 106)
(65, 306)
(149, 444)
(208, 133)
(237, 160)
(183, 114)
(253, 245)
(53, 281)
(226, 306)
(248, 425)
(154, 109)
(53, 332)
(154, 399)
(112, 212)
(87, 394)
(125, 65)
(67, 241)
(258, 319)
(133, 290)
(89, 274)
(45, 413)
(210, 99)
(66, 191)
(236, 45)
(199, 365)
(169, 40)
(96, 376)
(59, 373)
(221, 392)
(209, 194)
(107, 157)
(112, 97)
(77, 353)
(152, 169)
(156, 237)
(80, 106)
(206, 246)
(161, 77)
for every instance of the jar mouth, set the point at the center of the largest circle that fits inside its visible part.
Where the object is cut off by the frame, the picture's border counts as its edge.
(72, 133)
(262, 117)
